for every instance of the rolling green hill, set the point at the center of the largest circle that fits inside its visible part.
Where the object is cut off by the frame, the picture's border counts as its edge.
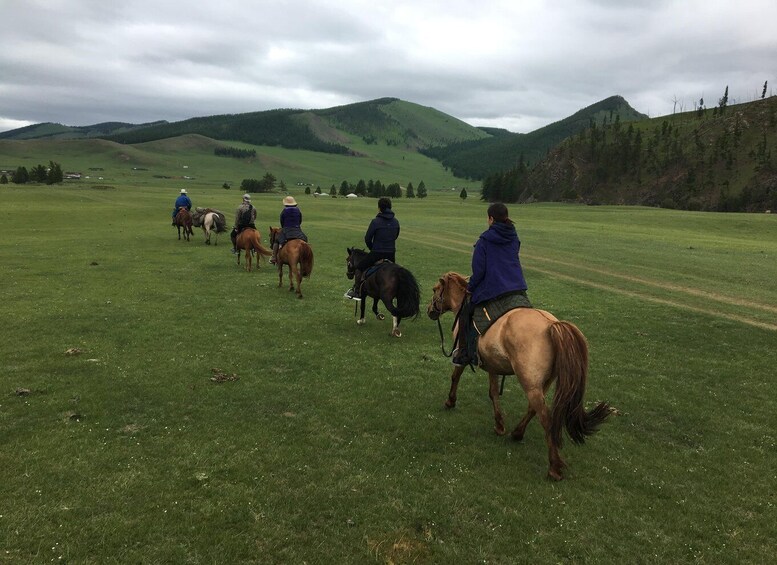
(189, 160)
(58, 131)
(701, 160)
(387, 120)
(500, 152)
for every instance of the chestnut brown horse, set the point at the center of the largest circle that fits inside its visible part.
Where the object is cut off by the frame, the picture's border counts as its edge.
(539, 349)
(250, 241)
(298, 255)
(183, 219)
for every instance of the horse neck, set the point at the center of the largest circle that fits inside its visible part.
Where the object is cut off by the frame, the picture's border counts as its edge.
(457, 290)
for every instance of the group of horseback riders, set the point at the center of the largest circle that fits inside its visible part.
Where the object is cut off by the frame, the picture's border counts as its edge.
(497, 275)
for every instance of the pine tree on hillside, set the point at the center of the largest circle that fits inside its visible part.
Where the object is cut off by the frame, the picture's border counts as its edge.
(410, 191)
(723, 102)
(421, 192)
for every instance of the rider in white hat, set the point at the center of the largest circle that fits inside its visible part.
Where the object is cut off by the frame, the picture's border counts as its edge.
(183, 201)
(291, 220)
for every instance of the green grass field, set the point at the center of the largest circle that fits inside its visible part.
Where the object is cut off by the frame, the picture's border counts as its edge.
(333, 446)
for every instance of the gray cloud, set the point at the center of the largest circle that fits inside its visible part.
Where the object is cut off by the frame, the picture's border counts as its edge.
(518, 65)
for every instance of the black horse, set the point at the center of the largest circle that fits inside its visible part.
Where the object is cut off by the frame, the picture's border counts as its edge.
(389, 282)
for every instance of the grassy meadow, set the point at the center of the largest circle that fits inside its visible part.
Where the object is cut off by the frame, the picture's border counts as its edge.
(331, 444)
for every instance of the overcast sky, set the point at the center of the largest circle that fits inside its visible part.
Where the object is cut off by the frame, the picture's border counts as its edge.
(513, 64)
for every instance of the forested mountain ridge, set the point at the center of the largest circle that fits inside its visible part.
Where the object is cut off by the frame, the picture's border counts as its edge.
(722, 158)
(504, 150)
(386, 120)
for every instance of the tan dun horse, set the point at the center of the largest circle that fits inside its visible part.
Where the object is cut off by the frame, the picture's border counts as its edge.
(298, 255)
(183, 219)
(250, 241)
(539, 349)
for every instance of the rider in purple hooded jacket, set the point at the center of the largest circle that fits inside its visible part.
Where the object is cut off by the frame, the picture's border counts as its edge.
(496, 267)
(496, 270)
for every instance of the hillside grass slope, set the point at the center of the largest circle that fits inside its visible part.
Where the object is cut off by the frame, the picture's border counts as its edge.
(701, 160)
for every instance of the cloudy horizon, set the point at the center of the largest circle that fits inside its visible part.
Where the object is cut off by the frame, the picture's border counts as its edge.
(518, 66)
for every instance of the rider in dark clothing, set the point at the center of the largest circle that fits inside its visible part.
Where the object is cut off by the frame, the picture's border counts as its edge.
(381, 240)
(291, 222)
(245, 217)
(496, 271)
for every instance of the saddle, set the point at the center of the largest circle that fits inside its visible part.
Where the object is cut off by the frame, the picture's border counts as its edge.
(375, 268)
(484, 315)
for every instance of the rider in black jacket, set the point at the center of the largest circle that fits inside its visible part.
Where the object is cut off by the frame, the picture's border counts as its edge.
(381, 240)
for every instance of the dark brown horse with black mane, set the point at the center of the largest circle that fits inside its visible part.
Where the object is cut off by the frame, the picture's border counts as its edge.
(539, 349)
(298, 255)
(183, 219)
(388, 283)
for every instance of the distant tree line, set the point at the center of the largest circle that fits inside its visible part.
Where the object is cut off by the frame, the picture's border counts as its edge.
(281, 128)
(376, 189)
(40, 174)
(265, 184)
(234, 152)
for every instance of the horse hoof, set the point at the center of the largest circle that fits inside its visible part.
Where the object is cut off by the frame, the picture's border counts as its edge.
(361, 321)
(554, 475)
(396, 333)
(380, 316)
(499, 430)
(450, 403)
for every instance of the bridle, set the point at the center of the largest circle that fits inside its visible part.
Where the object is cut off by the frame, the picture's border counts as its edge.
(350, 265)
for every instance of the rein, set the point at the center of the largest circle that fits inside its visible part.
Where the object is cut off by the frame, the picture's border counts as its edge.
(442, 340)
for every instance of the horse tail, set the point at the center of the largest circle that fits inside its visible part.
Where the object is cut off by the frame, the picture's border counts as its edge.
(259, 248)
(408, 295)
(570, 369)
(305, 259)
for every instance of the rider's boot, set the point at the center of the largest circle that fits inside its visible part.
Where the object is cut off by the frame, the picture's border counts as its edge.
(353, 292)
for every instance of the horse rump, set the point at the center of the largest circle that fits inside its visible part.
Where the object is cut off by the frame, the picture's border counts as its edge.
(408, 294)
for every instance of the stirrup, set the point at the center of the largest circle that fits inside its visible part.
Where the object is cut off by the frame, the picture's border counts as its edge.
(460, 358)
(350, 294)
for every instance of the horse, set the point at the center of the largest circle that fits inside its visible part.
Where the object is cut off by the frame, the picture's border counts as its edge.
(183, 219)
(298, 255)
(250, 241)
(389, 282)
(539, 349)
(213, 221)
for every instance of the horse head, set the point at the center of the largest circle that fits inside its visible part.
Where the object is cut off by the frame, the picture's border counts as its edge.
(447, 295)
(274, 234)
(354, 256)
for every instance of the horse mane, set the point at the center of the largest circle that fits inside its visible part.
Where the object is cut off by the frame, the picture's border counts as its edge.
(456, 278)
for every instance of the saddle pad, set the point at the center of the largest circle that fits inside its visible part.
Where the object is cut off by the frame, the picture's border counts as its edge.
(483, 315)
